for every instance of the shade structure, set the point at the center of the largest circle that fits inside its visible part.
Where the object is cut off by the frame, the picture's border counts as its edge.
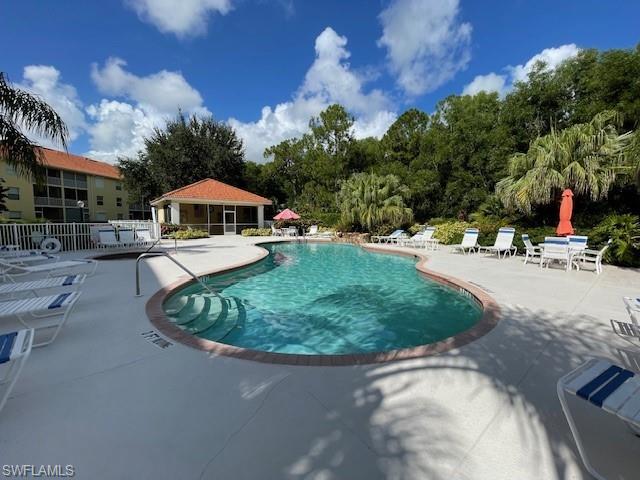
(566, 209)
(287, 214)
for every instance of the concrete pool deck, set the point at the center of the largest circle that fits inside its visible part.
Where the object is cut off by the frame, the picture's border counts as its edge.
(107, 400)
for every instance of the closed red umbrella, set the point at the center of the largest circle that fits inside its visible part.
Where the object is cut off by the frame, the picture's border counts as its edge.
(287, 214)
(566, 209)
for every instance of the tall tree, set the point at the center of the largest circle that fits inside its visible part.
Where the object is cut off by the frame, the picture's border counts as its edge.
(22, 114)
(185, 151)
(584, 157)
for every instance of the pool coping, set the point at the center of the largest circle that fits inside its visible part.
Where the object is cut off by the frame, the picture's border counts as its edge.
(490, 318)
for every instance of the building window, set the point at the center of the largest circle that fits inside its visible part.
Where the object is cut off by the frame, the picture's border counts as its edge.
(118, 186)
(10, 170)
(120, 216)
(99, 200)
(101, 217)
(82, 195)
(55, 192)
(14, 215)
(118, 202)
(13, 193)
(99, 182)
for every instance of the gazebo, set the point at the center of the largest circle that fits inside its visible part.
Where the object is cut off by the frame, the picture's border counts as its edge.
(212, 206)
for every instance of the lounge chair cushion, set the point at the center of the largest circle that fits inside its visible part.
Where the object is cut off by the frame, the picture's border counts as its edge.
(6, 346)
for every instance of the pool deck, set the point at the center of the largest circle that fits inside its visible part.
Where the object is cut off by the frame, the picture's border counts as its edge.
(108, 401)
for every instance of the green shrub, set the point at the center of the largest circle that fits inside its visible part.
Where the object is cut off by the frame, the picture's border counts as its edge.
(256, 232)
(188, 234)
(169, 228)
(624, 231)
(415, 228)
(451, 232)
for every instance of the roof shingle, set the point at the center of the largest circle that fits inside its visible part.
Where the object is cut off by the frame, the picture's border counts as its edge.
(213, 190)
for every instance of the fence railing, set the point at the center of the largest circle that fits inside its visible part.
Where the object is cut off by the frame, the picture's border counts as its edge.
(72, 236)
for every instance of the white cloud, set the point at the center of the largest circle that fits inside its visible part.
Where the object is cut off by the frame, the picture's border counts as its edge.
(44, 80)
(553, 57)
(328, 80)
(183, 18)
(426, 42)
(163, 91)
(493, 82)
(119, 127)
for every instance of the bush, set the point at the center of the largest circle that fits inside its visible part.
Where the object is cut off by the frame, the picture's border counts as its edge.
(256, 232)
(169, 228)
(188, 234)
(451, 232)
(415, 228)
(624, 231)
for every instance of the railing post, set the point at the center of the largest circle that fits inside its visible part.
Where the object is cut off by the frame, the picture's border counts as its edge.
(16, 241)
(75, 238)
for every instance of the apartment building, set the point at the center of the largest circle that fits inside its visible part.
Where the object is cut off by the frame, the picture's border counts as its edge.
(75, 189)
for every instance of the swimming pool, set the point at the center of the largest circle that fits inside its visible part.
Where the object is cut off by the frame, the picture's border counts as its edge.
(323, 299)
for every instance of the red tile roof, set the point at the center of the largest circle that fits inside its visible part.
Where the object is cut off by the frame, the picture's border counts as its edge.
(76, 163)
(213, 190)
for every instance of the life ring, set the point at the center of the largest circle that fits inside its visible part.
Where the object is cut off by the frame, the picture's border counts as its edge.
(50, 245)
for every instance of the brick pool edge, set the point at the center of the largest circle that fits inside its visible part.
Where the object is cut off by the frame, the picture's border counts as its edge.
(490, 318)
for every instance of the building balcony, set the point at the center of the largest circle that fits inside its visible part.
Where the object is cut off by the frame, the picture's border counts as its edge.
(48, 202)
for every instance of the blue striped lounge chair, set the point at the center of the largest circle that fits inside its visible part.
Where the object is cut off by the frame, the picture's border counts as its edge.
(469, 241)
(503, 244)
(15, 348)
(606, 386)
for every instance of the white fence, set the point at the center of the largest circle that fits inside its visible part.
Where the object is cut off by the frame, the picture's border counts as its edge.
(72, 236)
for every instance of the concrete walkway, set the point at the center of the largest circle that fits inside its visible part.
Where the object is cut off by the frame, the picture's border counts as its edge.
(108, 401)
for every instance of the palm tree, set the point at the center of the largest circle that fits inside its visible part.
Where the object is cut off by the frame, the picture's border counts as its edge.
(22, 112)
(369, 200)
(585, 157)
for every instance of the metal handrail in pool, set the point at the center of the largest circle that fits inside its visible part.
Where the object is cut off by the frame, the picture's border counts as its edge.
(165, 254)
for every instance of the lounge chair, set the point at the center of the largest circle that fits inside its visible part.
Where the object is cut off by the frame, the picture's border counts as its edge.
(127, 237)
(469, 241)
(503, 243)
(609, 387)
(107, 238)
(531, 251)
(29, 258)
(9, 270)
(386, 238)
(633, 307)
(555, 249)
(15, 348)
(313, 231)
(416, 241)
(34, 286)
(430, 242)
(276, 232)
(577, 243)
(143, 237)
(587, 255)
(41, 307)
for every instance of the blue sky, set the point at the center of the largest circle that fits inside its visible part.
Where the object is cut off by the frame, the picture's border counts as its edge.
(116, 69)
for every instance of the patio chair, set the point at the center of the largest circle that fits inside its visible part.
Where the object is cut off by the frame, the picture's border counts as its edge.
(555, 249)
(503, 243)
(633, 308)
(606, 386)
(531, 251)
(107, 238)
(430, 242)
(143, 237)
(276, 232)
(416, 241)
(577, 243)
(469, 241)
(34, 286)
(15, 348)
(29, 258)
(41, 307)
(385, 238)
(127, 237)
(585, 256)
(313, 231)
(10, 271)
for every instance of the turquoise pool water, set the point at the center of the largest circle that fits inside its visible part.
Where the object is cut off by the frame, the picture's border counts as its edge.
(323, 299)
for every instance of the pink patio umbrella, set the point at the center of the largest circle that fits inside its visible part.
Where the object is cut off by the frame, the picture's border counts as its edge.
(287, 214)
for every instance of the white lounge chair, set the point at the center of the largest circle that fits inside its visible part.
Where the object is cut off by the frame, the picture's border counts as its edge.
(34, 286)
(9, 270)
(633, 307)
(416, 241)
(107, 238)
(15, 348)
(555, 249)
(143, 237)
(430, 242)
(276, 232)
(386, 238)
(29, 258)
(469, 241)
(604, 385)
(127, 237)
(313, 231)
(577, 243)
(503, 243)
(41, 307)
(585, 256)
(531, 251)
